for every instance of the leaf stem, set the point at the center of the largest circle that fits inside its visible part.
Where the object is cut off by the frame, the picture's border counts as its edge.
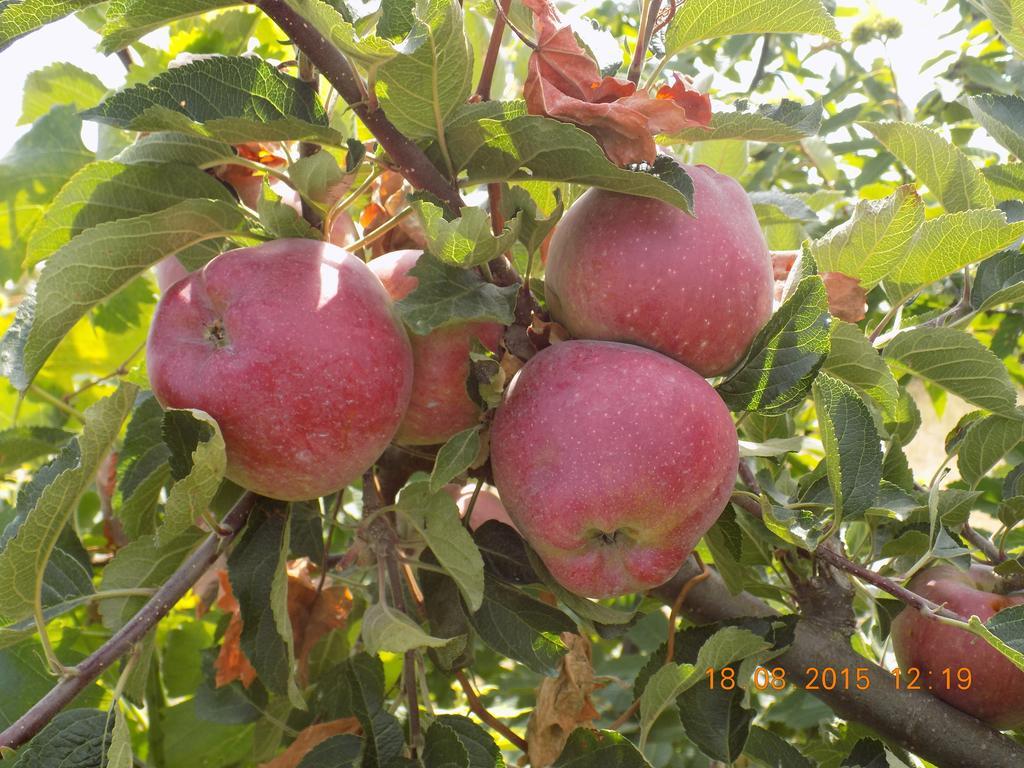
(380, 231)
(56, 402)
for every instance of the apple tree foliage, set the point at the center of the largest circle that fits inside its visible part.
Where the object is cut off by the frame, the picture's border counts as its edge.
(299, 647)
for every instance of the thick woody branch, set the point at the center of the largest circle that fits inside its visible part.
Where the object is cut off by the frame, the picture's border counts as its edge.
(410, 160)
(915, 720)
(122, 641)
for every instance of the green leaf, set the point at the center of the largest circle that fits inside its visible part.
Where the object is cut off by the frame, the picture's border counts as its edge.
(522, 628)
(363, 678)
(947, 243)
(191, 495)
(420, 88)
(454, 458)
(775, 207)
(58, 84)
(230, 98)
(31, 173)
(587, 748)
(481, 750)
(256, 569)
(17, 19)
(1002, 117)
(107, 191)
(987, 441)
(958, 363)
(705, 19)
(1008, 19)
(435, 515)
(586, 609)
(999, 280)
(319, 177)
(1006, 181)
(716, 721)
(661, 691)
(141, 563)
(128, 20)
(336, 752)
(77, 737)
(467, 240)
(369, 50)
(385, 629)
(20, 445)
(874, 240)
(771, 123)
(142, 468)
(447, 295)
(943, 167)
(497, 141)
(853, 359)
(96, 265)
(280, 219)
(119, 754)
(1004, 632)
(853, 452)
(180, 148)
(768, 750)
(444, 749)
(517, 203)
(23, 560)
(785, 355)
(723, 648)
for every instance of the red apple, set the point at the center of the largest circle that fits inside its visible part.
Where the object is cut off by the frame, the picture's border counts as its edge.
(440, 406)
(488, 504)
(634, 269)
(612, 461)
(294, 348)
(343, 230)
(996, 690)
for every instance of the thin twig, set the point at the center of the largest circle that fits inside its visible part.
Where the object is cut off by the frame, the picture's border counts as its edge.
(644, 33)
(670, 646)
(137, 627)
(121, 370)
(762, 63)
(990, 550)
(483, 88)
(477, 708)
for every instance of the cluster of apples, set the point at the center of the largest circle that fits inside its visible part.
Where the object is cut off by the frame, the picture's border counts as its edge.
(612, 453)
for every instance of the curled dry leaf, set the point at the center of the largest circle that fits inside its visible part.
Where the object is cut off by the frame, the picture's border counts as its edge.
(313, 613)
(564, 83)
(563, 703)
(846, 299)
(309, 738)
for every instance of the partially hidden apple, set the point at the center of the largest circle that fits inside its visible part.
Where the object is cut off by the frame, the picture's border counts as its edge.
(634, 269)
(487, 507)
(613, 461)
(295, 349)
(995, 689)
(440, 406)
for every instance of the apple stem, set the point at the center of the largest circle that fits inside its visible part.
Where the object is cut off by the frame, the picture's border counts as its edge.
(137, 627)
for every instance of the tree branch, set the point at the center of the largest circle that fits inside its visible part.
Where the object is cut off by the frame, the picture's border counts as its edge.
(648, 21)
(122, 641)
(483, 88)
(916, 720)
(409, 159)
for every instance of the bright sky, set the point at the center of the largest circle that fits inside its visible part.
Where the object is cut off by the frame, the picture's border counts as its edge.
(68, 40)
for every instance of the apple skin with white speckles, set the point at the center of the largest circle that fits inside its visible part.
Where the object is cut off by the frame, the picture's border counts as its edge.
(440, 406)
(638, 270)
(996, 692)
(294, 347)
(612, 460)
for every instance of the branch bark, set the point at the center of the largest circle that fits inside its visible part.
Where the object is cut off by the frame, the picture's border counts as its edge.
(915, 720)
(122, 641)
(410, 160)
